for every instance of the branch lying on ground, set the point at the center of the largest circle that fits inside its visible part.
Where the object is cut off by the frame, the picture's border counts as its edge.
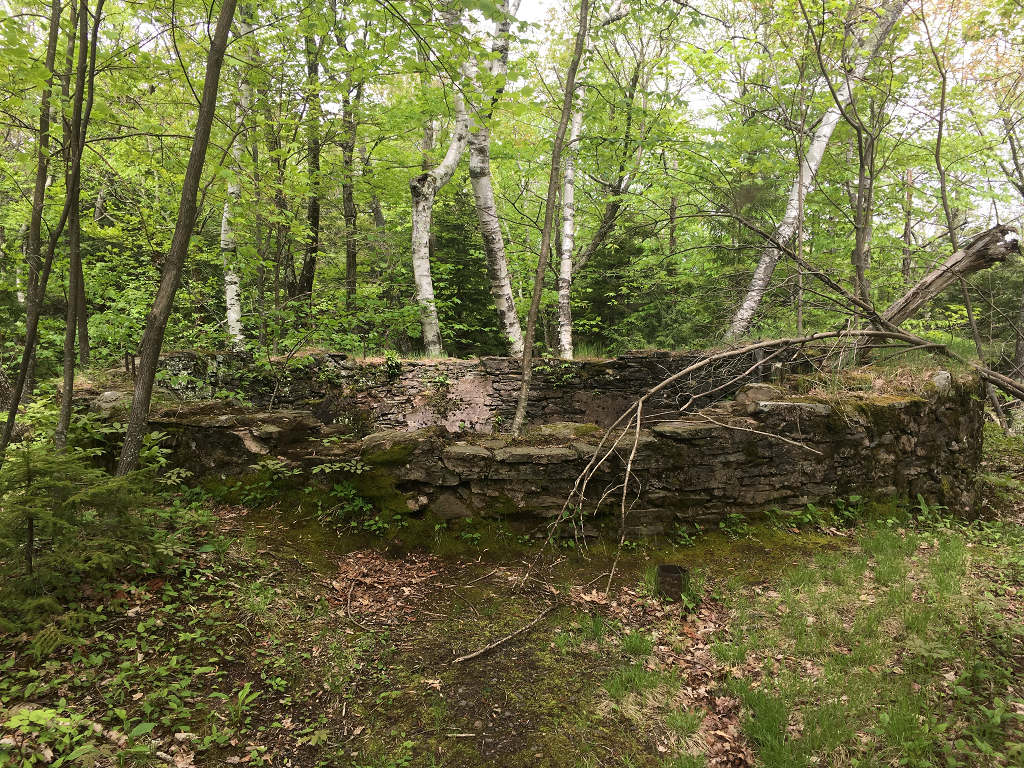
(506, 638)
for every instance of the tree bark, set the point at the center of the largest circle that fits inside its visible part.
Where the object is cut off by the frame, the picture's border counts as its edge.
(549, 213)
(804, 181)
(348, 149)
(483, 194)
(170, 277)
(494, 242)
(423, 189)
(907, 267)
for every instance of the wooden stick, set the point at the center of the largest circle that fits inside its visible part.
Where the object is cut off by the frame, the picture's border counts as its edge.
(506, 638)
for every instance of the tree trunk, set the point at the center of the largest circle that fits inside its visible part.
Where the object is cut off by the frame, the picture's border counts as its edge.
(483, 193)
(494, 242)
(549, 213)
(76, 142)
(804, 181)
(348, 149)
(423, 189)
(313, 118)
(38, 273)
(19, 289)
(565, 347)
(985, 250)
(228, 237)
(170, 277)
(907, 267)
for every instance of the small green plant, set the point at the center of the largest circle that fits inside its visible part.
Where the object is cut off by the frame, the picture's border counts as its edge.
(240, 706)
(734, 525)
(268, 473)
(392, 365)
(50, 737)
(593, 628)
(684, 722)
(686, 534)
(850, 510)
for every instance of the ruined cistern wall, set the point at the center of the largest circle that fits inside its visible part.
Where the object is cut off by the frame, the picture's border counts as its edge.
(427, 436)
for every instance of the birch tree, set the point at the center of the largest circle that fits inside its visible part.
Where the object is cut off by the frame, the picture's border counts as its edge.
(804, 181)
(228, 237)
(424, 189)
(483, 189)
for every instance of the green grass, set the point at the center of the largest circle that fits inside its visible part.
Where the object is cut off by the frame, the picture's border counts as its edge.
(638, 644)
(902, 653)
(634, 678)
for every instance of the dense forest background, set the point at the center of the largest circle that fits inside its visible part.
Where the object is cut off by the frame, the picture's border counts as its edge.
(689, 122)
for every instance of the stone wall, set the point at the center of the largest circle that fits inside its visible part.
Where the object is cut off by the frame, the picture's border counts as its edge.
(765, 449)
(477, 395)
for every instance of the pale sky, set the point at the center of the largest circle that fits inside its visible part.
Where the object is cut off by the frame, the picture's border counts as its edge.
(534, 10)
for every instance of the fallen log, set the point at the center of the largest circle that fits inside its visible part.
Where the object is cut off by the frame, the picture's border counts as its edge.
(985, 250)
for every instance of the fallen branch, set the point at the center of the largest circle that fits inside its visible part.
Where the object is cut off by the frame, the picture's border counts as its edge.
(990, 247)
(506, 638)
(772, 435)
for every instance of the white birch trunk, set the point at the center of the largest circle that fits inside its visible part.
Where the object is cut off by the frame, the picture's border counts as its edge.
(228, 241)
(804, 182)
(494, 242)
(483, 194)
(565, 347)
(424, 189)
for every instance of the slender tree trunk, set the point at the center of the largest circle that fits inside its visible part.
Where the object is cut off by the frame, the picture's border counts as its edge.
(76, 141)
(483, 193)
(84, 347)
(907, 267)
(38, 272)
(313, 117)
(423, 189)
(348, 149)
(228, 236)
(951, 226)
(519, 420)
(19, 289)
(170, 277)
(494, 242)
(771, 254)
(565, 346)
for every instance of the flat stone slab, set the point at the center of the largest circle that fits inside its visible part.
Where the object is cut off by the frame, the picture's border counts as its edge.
(819, 409)
(528, 454)
(684, 430)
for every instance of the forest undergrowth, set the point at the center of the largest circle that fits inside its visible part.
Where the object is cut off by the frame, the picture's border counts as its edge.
(176, 626)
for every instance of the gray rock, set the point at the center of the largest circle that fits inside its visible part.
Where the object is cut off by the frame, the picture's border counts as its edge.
(943, 382)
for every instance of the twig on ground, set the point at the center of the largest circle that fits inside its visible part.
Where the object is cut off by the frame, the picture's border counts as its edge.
(506, 638)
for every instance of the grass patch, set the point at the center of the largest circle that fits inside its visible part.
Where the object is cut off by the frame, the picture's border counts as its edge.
(634, 678)
(900, 654)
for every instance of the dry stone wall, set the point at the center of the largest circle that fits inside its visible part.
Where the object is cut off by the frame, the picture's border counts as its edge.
(477, 395)
(765, 449)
